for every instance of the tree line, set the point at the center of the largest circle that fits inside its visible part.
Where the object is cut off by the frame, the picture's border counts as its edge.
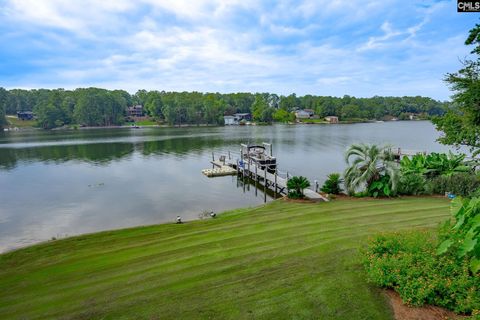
(101, 107)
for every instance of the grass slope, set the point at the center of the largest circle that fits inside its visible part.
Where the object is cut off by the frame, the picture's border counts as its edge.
(278, 261)
(13, 121)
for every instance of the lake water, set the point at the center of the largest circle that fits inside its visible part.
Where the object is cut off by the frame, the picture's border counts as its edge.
(63, 183)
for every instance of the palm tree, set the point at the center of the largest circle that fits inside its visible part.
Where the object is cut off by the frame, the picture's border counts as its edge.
(369, 164)
(296, 185)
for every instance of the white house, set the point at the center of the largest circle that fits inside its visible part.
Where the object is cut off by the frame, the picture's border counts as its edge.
(302, 114)
(237, 118)
(229, 120)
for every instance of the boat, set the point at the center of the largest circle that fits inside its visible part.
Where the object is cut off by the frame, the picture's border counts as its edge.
(259, 156)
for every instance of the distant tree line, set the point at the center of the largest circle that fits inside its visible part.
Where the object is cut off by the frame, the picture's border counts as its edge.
(101, 107)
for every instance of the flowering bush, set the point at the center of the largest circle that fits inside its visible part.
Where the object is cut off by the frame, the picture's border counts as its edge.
(408, 263)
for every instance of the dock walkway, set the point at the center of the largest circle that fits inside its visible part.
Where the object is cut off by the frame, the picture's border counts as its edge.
(269, 180)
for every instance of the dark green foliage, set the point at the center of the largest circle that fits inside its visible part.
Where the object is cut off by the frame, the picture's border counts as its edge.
(407, 262)
(332, 184)
(437, 173)
(295, 187)
(261, 111)
(460, 184)
(461, 126)
(411, 184)
(380, 187)
(100, 107)
(463, 239)
(284, 116)
(3, 97)
(434, 164)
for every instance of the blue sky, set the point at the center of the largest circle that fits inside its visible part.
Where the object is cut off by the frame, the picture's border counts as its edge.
(361, 48)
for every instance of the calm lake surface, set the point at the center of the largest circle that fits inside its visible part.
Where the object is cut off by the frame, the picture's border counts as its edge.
(63, 183)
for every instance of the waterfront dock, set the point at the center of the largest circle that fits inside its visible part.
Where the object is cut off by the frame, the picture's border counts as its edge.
(275, 181)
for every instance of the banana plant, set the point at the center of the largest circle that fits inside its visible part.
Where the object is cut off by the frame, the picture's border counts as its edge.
(464, 238)
(434, 164)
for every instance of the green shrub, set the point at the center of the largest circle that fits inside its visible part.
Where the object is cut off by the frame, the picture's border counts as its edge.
(411, 184)
(380, 187)
(332, 184)
(460, 184)
(407, 262)
(296, 185)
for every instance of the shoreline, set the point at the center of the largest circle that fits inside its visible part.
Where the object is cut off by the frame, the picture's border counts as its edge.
(338, 198)
(75, 128)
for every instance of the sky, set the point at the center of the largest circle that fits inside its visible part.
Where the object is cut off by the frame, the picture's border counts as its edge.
(332, 48)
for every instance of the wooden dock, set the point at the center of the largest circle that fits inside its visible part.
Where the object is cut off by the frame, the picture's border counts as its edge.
(272, 181)
(398, 153)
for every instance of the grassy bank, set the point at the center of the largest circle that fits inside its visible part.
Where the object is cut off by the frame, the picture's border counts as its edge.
(279, 261)
(13, 121)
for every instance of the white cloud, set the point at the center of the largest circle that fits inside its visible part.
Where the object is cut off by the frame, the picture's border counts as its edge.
(84, 18)
(377, 42)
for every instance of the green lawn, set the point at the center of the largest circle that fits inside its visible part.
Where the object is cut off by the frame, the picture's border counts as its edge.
(146, 123)
(322, 120)
(278, 261)
(13, 121)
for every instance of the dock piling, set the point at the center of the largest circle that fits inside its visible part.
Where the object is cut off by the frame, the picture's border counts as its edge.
(265, 181)
(275, 183)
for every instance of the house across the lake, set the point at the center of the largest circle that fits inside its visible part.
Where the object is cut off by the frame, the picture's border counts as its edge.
(243, 116)
(237, 118)
(304, 114)
(331, 119)
(25, 115)
(135, 111)
(229, 120)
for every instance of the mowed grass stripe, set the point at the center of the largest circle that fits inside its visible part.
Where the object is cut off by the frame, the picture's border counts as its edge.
(215, 236)
(265, 243)
(205, 261)
(141, 233)
(272, 248)
(180, 236)
(202, 255)
(247, 240)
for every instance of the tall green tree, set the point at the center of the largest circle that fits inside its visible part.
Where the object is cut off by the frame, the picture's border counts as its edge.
(261, 111)
(153, 104)
(461, 125)
(290, 103)
(99, 107)
(281, 115)
(54, 109)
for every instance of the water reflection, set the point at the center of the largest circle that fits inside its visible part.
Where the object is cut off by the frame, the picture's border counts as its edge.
(100, 154)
